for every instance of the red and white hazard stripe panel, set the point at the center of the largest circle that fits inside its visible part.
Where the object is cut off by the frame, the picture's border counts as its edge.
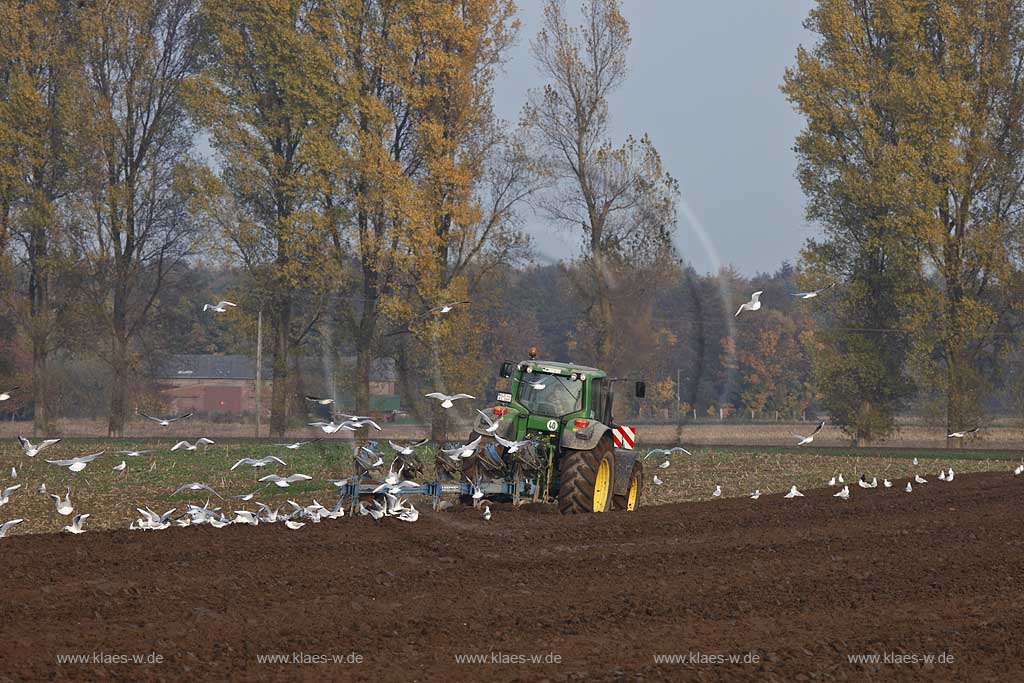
(624, 437)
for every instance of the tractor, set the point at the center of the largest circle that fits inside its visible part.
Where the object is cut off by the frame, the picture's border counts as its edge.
(553, 435)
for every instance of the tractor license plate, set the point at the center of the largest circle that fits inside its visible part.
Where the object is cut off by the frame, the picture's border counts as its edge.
(504, 397)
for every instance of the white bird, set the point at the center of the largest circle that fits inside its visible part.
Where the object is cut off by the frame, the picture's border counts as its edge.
(248, 496)
(6, 396)
(220, 523)
(863, 483)
(284, 482)
(492, 424)
(165, 421)
(360, 423)
(64, 506)
(320, 400)
(447, 308)
(196, 486)
(832, 481)
(32, 451)
(376, 513)
(804, 440)
(753, 305)
(814, 293)
(918, 479)
(219, 307)
(7, 526)
(185, 445)
(42, 489)
(949, 476)
(487, 513)
(14, 473)
(962, 434)
(5, 495)
(76, 464)
(665, 465)
(942, 475)
(133, 454)
(512, 446)
(120, 468)
(717, 493)
(793, 493)
(887, 484)
(262, 462)
(446, 399)
(406, 449)
(756, 494)
(843, 494)
(463, 451)
(245, 517)
(657, 480)
(292, 524)
(915, 461)
(1019, 471)
(840, 478)
(332, 427)
(666, 451)
(297, 445)
(337, 511)
(909, 488)
(269, 516)
(76, 524)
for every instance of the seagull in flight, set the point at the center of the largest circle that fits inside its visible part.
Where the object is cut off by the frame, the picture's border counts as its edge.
(512, 446)
(753, 305)
(6, 395)
(320, 401)
(219, 307)
(804, 440)
(332, 427)
(298, 444)
(196, 486)
(285, 482)
(63, 505)
(665, 465)
(492, 423)
(667, 451)
(76, 464)
(354, 424)
(133, 454)
(262, 462)
(7, 526)
(406, 449)
(960, 435)
(248, 496)
(192, 446)
(814, 293)
(32, 451)
(165, 421)
(5, 495)
(447, 308)
(446, 399)
(463, 451)
(793, 493)
(76, 524)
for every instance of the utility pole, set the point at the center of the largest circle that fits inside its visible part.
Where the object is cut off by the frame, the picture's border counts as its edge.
(259, 371)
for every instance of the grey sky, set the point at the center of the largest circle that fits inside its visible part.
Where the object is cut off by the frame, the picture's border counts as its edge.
(704, 84)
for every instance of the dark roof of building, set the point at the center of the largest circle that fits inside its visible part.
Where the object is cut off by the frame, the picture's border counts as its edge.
(210, 366)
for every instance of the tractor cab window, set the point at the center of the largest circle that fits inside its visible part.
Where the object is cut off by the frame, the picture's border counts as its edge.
(550, 395)
(601, 399)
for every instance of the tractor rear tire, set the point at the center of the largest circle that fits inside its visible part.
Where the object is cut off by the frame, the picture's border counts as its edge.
(630, 502)
(586, 478)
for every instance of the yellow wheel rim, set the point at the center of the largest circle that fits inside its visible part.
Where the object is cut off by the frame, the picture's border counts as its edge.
(602, 485)
(634, 494)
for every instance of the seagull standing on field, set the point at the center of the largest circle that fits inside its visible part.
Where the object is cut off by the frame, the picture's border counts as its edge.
(6, 395)
(219, 307)
(918, 479)
(804, 440)
(14, 473)
(32, 451)
(942, 475)
(120, 468)
(949, 477)
(844, 494)
(756, 494)
(1019, 471)
(76, 524)
(793, 493)
(753, 305)
(446, 399)
(657, 480)
(909, 488)
(717, 493)
(487, 513)
(887, 483)
(814, 293)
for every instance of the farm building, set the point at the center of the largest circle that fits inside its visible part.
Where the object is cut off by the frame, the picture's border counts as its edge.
(226, 384)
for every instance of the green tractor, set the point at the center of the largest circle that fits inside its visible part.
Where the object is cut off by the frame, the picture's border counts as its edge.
(553, 435)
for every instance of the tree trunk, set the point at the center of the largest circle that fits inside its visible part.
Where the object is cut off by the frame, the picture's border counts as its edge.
(40, 387)
(603, 331)
(279, 392)
(118, 391)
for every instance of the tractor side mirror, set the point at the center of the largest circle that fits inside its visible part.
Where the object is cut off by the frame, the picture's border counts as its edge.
(506, 369)
(641, 389)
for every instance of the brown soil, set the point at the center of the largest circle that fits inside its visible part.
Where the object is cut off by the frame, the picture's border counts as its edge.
(800, 583)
